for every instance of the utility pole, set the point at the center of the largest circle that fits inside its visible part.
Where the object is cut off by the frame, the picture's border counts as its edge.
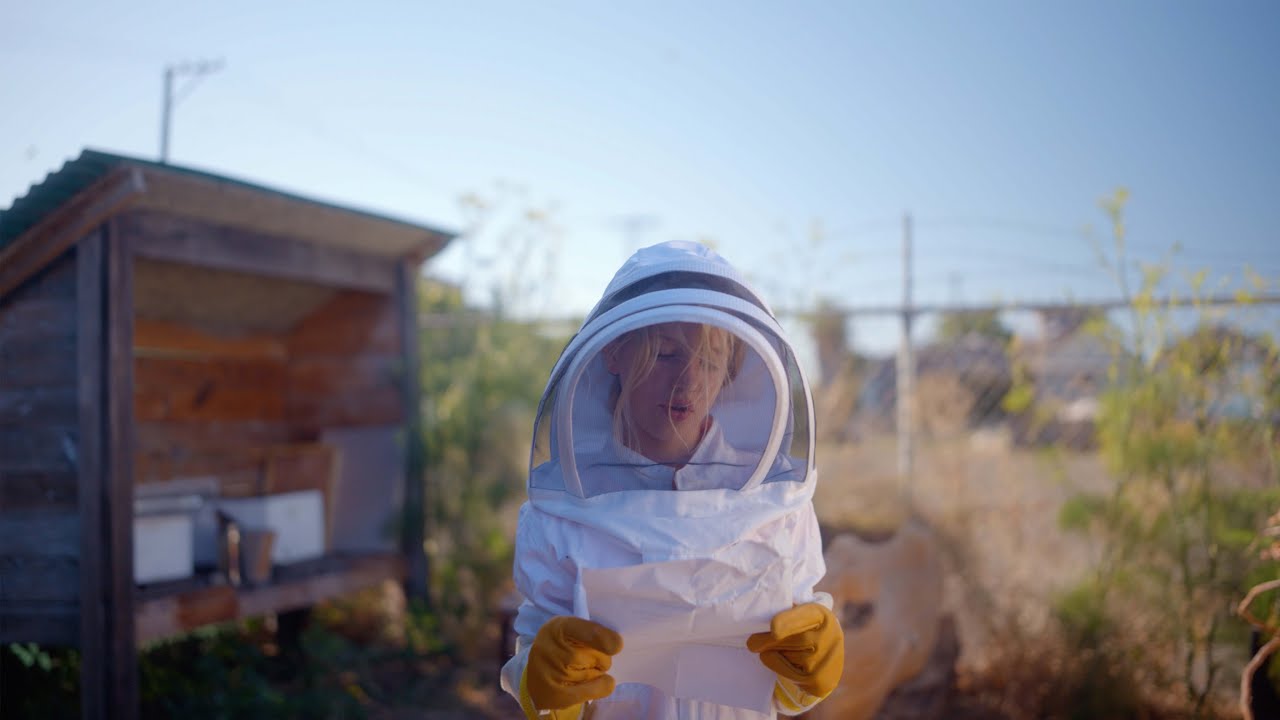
(906, 370)
(196, 70)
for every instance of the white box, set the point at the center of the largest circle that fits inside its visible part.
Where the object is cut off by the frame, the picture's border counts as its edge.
(163, 547)
(296, 517)
(196, 494)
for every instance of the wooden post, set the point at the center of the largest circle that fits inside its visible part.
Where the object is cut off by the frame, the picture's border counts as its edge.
(94, 628)
(415, 454)
(109, 666)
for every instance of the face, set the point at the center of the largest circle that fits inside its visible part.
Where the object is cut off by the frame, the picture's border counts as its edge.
(670, 377)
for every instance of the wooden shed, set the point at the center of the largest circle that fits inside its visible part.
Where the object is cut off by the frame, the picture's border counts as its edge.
(164, 330)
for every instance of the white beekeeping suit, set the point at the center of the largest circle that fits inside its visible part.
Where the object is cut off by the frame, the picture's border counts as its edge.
(739, 506)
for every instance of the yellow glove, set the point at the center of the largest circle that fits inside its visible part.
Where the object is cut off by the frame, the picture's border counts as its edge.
(804, 645)
(567, 666)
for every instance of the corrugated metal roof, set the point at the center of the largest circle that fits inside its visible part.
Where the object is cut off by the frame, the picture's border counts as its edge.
(47, 195)
(76, 175)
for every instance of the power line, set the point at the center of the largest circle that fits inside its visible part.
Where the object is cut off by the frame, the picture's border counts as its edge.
(1014, 225)
(262, 98)
(874, 226)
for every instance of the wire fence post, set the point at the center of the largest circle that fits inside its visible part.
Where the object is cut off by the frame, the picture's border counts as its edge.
(904, 393)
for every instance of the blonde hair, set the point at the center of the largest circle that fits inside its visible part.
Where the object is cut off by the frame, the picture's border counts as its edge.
(644, 346)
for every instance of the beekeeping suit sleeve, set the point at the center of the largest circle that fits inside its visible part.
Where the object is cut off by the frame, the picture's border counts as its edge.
(788, 698)
(547, 586)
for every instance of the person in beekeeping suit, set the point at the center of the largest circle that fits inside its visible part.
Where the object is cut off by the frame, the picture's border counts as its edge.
(669, 549)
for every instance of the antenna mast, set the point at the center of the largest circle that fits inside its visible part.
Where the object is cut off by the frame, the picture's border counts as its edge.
(196, 71)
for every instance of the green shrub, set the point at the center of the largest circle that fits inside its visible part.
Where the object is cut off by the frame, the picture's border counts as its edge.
(1193, 485)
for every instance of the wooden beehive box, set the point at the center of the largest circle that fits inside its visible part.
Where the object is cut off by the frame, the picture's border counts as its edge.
(160, 325)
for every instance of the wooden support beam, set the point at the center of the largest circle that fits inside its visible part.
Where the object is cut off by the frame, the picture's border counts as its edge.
(415, 454)
(120, 453)
(95, 628)
(271, 213)
(109, 669)
(164, 615)
(192, 242)
(73, 220)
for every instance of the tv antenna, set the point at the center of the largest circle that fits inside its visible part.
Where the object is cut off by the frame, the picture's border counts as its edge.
(194, 71)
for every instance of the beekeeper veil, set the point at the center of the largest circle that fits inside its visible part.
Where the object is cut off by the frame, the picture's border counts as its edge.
(679, 379)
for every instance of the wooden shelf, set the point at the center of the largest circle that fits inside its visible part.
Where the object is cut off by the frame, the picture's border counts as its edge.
(172, 608)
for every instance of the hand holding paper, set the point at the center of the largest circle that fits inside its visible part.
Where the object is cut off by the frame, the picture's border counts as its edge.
(568, 662)
(686, 623)
(804, 645)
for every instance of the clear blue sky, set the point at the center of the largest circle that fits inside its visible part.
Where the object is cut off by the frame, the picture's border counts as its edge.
(998, 125)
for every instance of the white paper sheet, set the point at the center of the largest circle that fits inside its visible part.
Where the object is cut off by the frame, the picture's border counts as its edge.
(685, 623)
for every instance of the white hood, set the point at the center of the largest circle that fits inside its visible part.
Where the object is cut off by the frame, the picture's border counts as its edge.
(759, 449)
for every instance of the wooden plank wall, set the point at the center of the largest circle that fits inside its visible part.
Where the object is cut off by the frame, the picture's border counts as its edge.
(39, 444)
(205, 403)
(344, 365)
(208, 404)
(264, 351)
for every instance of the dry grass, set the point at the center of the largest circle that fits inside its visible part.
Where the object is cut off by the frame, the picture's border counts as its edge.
(994, 508)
